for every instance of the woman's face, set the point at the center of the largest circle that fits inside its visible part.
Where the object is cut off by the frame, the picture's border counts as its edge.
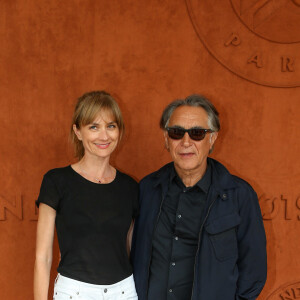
(100, 138)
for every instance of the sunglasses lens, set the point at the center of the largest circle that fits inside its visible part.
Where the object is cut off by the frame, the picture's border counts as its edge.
(176, 133)
(197, 134)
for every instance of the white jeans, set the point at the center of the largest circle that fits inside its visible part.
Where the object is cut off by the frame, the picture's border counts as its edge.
(66, 289)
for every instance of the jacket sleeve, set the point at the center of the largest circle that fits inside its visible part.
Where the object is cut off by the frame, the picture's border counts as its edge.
(252, 260)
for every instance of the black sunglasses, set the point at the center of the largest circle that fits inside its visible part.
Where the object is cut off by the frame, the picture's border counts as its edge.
(197, 134)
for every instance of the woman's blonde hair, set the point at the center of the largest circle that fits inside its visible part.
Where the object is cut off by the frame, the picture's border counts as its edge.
(88, 106)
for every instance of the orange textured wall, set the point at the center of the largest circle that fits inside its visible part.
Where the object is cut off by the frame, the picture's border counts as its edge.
(242, 54)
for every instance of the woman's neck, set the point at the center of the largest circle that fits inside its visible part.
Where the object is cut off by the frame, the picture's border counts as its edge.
(96, 170)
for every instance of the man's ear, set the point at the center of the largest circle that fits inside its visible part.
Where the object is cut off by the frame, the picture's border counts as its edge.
(212, 139)
(166, 140)
(77, 132)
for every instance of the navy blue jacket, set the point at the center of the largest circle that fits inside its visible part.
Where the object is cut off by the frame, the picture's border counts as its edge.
(231, 262)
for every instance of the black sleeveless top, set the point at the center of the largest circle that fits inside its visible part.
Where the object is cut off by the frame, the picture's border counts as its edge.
(92, 221)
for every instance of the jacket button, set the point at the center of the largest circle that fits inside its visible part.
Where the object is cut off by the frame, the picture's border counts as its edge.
(170, 290)
(105, 290)
(224, 196)
(173, 264)
(176, 238)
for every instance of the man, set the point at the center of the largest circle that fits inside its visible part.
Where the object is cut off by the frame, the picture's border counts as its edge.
(200, 233)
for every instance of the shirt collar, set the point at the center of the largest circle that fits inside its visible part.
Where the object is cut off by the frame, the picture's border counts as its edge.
(204, 183)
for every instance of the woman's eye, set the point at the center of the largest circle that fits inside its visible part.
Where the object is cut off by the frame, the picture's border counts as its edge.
(111, 126)
(93, 127)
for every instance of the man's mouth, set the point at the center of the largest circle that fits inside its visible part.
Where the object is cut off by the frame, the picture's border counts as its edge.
(186, 155)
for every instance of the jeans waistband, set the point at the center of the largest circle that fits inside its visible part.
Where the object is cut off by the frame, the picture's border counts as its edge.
(76, 284)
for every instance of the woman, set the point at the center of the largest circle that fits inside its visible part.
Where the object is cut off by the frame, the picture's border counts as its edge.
(92, 206)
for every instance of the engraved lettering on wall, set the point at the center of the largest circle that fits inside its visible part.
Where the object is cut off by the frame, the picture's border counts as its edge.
(289, 291)
(281, 206)
(287, 64)
(15, 207)
(233, 39)
(256, 59)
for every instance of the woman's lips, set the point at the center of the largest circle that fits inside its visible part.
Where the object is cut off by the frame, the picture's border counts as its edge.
(103, 146)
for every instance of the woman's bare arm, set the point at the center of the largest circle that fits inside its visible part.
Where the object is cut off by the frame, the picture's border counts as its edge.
(44, 249)
(129, 237)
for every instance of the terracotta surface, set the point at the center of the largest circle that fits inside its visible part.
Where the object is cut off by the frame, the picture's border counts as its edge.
(148, 53)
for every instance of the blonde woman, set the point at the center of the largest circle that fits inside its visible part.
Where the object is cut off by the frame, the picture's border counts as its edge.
(92, 205)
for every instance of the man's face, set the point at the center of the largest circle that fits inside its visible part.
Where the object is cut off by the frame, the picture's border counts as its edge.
(190, 155)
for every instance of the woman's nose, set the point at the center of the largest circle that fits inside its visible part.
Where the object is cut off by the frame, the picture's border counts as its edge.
(103, 134)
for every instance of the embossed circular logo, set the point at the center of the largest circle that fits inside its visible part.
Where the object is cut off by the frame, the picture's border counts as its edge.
(258, 40)
(286, 292)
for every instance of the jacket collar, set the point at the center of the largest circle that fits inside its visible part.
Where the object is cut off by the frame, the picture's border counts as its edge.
(221, 178)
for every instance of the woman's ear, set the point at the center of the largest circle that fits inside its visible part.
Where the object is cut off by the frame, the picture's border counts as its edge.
(77, 132)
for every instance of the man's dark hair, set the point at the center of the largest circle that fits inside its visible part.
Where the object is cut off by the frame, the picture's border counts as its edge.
(193, 101)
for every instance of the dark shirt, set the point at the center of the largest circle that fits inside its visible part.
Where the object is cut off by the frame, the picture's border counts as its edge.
(176, 237)
(92, 221)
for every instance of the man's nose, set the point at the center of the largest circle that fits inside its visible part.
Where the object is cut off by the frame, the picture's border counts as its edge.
(186, 140)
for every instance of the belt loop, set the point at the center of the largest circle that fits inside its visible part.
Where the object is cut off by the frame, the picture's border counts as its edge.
(56, 278)
(80, 288)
